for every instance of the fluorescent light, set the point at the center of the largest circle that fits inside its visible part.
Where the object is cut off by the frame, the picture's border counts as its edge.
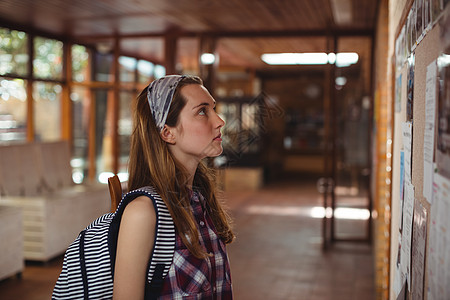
(207, 58)
(159, 71)
(128, 62)
(331, 58)
(145, 67)
(345, 59)
(341, 81)
(342, 59)
(318, 58)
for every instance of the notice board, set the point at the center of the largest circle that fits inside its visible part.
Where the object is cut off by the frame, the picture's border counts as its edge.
(420, 219)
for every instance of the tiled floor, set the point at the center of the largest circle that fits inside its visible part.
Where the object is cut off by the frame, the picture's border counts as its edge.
(277, 253)
(278, 250)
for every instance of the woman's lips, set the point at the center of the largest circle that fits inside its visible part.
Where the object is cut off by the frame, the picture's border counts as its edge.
(218, 138)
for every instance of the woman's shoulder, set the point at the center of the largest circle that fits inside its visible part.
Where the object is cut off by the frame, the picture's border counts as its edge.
(140, 212)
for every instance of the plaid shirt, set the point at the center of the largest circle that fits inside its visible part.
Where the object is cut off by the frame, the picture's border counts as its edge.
(193, 278)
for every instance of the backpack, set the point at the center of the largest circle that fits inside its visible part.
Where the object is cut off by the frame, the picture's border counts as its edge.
(88, 266)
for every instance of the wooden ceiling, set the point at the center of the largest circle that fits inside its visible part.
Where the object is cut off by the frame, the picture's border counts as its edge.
(245, 28)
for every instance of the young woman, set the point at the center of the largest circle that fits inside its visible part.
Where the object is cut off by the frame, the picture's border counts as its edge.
(176, 126)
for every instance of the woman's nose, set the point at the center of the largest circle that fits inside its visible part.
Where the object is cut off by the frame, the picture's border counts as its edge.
(220, 121)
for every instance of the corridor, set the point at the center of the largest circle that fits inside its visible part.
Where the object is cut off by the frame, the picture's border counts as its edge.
(278, 250)
(277, 253)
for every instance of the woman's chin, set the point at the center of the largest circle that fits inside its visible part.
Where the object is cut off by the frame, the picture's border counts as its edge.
(214, 152)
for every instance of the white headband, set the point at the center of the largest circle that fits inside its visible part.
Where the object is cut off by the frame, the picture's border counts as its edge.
(159, 95)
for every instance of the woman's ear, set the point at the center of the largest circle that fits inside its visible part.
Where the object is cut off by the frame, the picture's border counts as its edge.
(167, 135)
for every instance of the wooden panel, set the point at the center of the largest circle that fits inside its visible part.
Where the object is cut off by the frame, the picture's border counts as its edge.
(363, 13)
(248, 51)
(81, 19)
(148, 48)
(86, 17)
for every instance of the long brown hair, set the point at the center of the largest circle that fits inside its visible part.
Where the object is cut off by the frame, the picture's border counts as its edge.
(151, 163)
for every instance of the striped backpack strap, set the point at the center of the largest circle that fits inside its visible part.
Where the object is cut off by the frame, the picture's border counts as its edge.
(164, 244)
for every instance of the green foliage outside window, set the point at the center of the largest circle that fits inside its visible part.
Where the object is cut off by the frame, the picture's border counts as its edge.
(48, 58)
(80, 61)
(13, 52)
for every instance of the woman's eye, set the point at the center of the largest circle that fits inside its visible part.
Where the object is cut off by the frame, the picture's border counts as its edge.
(202, 111)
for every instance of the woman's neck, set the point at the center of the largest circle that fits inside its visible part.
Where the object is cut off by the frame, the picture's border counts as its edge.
(189, 166)
(190, 177)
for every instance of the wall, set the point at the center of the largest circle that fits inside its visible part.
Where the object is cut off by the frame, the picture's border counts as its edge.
(406, 230)
(380, 153)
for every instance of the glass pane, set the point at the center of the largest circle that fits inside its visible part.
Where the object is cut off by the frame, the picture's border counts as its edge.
(249, 117)
(48, 62)
(103, 133)
(13, 52)
(352, 115)
(81, 100)
(13, 110)
(127, 69)
(47, 111)
(102, 67)
(80, 63)
(125, 128)
(145, 71)
(250, 128)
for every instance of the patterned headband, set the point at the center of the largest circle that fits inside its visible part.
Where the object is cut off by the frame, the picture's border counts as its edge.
(159, 95)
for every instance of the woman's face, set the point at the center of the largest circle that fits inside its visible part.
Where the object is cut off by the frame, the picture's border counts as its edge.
(197, 133)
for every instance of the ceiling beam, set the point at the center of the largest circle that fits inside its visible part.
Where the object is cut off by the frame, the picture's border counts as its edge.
(238, 34)
(180, 33)
(32, 30)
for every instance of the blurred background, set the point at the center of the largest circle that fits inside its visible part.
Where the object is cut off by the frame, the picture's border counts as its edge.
(305, 89)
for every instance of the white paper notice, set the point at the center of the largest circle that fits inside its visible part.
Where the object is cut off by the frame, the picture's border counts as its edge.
(407, 140)
(408, 209)
(418, 250)
(428, 143)
(432, 250)
(399, 277)
(439, 241)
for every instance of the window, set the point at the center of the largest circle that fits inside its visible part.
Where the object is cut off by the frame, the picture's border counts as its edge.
(250, 127)
(47, 111)
(145, 71)
(13, 52)
(103, 132)
(81, 101)
(125, 128)
(48, 62)
(102, 67)
(127, 69)
(92, 90)
(80, 63)
(13, 110)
